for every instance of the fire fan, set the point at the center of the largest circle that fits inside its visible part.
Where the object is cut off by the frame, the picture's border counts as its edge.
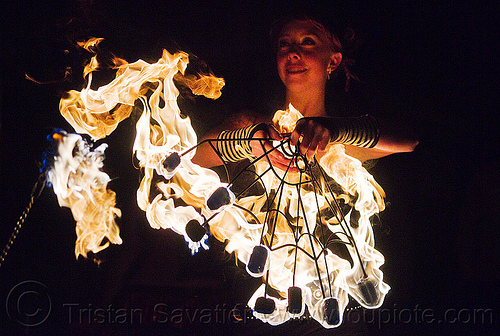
(306, 233)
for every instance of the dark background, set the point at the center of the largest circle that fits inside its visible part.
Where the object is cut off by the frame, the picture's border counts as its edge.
(427, 63)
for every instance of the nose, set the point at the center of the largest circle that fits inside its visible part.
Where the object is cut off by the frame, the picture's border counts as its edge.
(293, 52)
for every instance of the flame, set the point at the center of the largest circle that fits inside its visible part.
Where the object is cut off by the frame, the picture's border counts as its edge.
(81, 186)
(90, 43)
(208, 86)
(294, 225)
(285, 120)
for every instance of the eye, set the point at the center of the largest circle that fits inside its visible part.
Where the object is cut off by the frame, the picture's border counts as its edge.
(308, 41)
(283, 44)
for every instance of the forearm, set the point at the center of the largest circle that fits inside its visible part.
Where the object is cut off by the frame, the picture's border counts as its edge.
(226, 146)
(369, 132)
(364, 137)
(205, 155)
(395, 137)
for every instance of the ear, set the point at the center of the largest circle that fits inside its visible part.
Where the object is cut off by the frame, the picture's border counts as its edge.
(335, 60)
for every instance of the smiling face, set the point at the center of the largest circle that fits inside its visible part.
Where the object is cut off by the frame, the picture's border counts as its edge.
(305, 55)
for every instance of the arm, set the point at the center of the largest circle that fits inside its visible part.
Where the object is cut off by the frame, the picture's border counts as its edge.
(394, 138)
(365, 138)
(205, 155)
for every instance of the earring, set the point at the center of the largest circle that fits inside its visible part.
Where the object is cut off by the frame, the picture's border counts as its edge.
(329, 72)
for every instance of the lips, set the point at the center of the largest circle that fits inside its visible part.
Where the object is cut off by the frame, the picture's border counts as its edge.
(295, 69)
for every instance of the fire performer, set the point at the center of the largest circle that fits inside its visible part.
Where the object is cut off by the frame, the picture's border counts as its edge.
(294, 233)
(308, 55)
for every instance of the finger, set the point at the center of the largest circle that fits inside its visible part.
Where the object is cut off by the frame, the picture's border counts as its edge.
(273, 133)
(297, 132)
(276, 154)
(277, 159)
(294, 137)
(324, 141)
(320, 133)
(307, 137)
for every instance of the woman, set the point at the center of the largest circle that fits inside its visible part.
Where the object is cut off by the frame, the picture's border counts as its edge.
(307, 55)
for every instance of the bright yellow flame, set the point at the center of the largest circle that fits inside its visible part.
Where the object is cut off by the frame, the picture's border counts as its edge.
(285, 120)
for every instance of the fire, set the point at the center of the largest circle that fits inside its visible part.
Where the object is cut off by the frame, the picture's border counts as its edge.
(289, 235)
(76, 177)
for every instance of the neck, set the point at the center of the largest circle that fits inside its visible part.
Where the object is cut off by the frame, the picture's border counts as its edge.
(310, 104)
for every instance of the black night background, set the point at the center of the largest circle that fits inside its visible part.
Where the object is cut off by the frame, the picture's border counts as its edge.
(427, 63)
